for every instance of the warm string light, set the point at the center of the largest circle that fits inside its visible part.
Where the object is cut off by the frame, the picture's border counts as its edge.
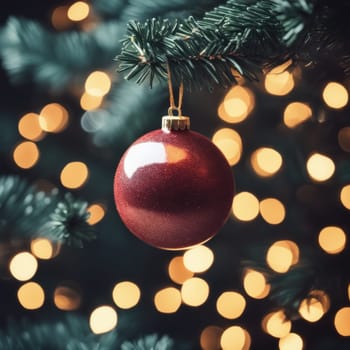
(296, 113)
(235, 338)
(230, 144)
(126, 294)
(78, 11)
(255, 285)
(320, 167)
(53, 118)
(23, 266)
(26, 154)
(335, 95)
(276, 324)
(210, 338)
(66, 297)
(103, 319)
(29, 127)
(178, 271)
(97, 213)
(266, 161)
(237, 105)
(44, 249)
(344, 138)
(272, 211)
(74, 175)
(313, 308)
(31, 296)
(332, 239)
(341, 321)
(281, 255)
(98, 84)
(194, 291)
(279, 81)
(292, 341)
(167, 300)
(245, 206)
(230, 305)
(198, 259)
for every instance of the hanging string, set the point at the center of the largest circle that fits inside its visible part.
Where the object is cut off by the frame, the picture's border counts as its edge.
(173, 107)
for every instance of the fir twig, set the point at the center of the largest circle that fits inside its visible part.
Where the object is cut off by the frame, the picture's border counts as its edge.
(231, 37)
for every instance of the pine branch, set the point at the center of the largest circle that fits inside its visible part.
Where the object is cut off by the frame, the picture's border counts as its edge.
(26, 212)
(150, 342)
(72, 333)
(231, 37)
(121, 118)
(29, 51)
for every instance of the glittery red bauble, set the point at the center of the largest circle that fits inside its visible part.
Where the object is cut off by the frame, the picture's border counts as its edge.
(173, 189)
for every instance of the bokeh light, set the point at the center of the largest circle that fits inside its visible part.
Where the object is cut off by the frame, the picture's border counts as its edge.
(245, 206)
(235, 338)
(230, 305)
(98, 84)
(344, 138)
(53, 118)
(341, 321)
(277, 324)
(198, 259)
(74, 175)
(78, 11)
(230, 144)
(26, 154)
(296, 113)
(210, 338)
(320, 167)
(97, 213)
(332, 239)
(103, 319)
(44, 249)
(311, 309)
(29, 127)
(126, 294)
(59, 18)
(90, 102)
(272, 211)
(194, 291)
(255, 285)
(178, 271)
(167, 300)
(345, 196)
(266, 161)
(31, 296)
(237, 105)
(281, 255)
(278, 81)
(335, 95)
(23, 266)
(292, 341)
(66, 297)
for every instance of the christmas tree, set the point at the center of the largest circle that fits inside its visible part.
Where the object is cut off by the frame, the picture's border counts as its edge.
(268, 82)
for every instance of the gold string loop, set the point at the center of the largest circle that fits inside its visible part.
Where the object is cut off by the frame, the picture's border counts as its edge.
(173, 107)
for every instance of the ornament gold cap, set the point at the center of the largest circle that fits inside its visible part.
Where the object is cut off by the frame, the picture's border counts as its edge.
(175, 123)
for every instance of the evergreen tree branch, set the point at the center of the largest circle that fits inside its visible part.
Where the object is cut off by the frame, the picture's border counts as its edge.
(26, 212)
(29, 51)
(231, 37)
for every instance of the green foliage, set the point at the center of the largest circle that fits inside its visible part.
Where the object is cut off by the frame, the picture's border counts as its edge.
(149, 342)
(23, 209)
(26, 212)
(71, 333)
(68, 223)
(31, 52)
(231, 37)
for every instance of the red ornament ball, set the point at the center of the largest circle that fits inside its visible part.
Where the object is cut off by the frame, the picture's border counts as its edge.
(173, 189)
